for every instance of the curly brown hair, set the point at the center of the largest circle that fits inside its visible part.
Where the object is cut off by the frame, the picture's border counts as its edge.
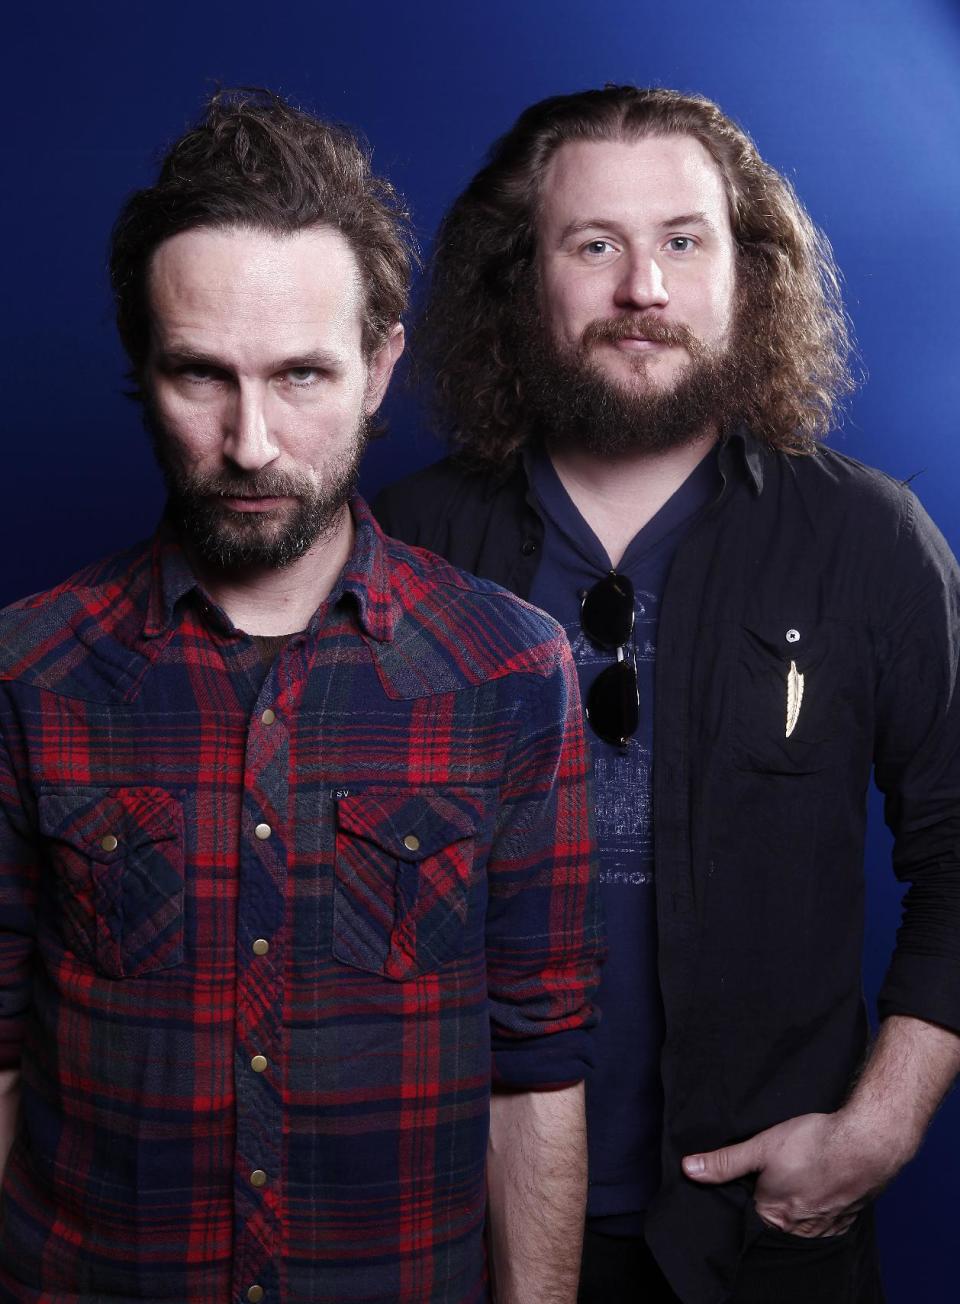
(255, 161)
(791, 314)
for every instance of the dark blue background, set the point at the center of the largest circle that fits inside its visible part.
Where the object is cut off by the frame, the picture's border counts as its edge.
(858, 101)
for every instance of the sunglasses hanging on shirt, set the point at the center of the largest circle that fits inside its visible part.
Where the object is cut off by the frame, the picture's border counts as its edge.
(613, 699)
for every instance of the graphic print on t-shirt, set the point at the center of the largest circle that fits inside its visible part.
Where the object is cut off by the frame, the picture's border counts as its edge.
(623, 777)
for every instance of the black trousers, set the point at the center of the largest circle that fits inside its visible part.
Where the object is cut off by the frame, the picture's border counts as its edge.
(777, 1269)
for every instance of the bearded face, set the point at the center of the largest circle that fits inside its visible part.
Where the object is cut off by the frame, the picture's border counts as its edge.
(235, 521)
(258, 389)
(629, 334)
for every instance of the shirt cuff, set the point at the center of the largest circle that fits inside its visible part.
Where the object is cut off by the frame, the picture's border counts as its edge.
(543, 1063)
(922, 987)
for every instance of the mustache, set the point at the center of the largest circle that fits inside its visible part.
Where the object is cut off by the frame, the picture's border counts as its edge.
(642, 326)
(258, 484)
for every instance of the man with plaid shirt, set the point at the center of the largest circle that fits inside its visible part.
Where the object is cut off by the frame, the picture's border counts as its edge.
(295, 846)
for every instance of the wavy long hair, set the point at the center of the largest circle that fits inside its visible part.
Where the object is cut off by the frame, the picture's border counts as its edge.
(791, 313)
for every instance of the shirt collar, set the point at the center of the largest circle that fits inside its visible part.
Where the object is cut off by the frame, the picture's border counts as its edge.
(742, 451)
(366, 577)
(171, 579)
(739, 451)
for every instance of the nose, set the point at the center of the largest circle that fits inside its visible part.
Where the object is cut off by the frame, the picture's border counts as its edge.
(248, 441)
(641, 284)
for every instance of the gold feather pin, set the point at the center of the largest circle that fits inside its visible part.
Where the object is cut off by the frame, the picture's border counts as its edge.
(794, 697)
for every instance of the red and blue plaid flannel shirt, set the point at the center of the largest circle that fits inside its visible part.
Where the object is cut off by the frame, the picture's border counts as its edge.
(266, 929)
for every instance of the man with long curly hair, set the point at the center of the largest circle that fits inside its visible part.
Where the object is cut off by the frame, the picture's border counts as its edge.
(636, 342)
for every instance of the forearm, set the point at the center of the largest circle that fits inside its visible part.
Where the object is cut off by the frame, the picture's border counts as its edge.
(816, 1171)
(909, 1070)
(537, 1184)
(9, 1104)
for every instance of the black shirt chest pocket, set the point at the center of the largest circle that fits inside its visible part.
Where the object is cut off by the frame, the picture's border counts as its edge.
(118, 868)
(801, 694)
(403, 871)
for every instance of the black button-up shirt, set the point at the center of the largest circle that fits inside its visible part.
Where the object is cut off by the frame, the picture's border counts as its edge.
(809, 632)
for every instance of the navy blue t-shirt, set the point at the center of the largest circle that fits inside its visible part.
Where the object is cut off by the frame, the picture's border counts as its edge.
(624, 1097)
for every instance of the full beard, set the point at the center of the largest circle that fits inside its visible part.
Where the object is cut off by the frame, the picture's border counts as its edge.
(228, 540)
(576, 404)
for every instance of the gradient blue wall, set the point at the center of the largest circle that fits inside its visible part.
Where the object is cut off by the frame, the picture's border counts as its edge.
(858, 101)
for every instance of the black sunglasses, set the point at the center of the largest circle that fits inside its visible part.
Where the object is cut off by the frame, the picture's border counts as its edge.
(613, 699)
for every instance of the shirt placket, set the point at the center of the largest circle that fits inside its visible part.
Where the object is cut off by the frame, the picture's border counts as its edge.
(261, 965)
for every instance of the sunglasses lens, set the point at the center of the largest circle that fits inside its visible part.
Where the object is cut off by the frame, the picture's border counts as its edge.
(613, 703)
(606, 613)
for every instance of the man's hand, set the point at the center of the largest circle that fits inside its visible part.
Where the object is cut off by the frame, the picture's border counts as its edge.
(816, 1172)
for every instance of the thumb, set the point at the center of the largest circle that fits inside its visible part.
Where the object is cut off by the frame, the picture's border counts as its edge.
(727, 1163)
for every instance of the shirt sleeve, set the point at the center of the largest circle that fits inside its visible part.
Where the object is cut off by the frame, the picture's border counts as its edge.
(917, 766)
(18, 887)
(544, 934)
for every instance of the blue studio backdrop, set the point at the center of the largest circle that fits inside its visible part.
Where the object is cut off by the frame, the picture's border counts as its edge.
(858, 101)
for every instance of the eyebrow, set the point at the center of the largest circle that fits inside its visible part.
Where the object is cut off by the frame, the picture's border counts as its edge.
(689, 219)
(178, 355)
(609, 223)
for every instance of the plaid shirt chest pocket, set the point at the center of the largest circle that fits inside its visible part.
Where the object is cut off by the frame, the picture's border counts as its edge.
(118, 867)
(403, 871)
